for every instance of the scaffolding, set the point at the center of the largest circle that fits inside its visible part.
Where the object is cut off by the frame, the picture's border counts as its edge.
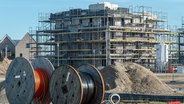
(181, 42)
(101, 37)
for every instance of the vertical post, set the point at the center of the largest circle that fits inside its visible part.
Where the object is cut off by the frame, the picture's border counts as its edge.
(107, 39)
(6, 50)
(94, 57)
(37, 46)
(58, 53)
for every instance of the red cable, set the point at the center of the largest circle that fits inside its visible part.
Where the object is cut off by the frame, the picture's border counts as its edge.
(41, 85)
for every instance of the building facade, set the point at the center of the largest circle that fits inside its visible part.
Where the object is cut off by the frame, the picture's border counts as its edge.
(7, 48)
(102, 34)
(25, 46)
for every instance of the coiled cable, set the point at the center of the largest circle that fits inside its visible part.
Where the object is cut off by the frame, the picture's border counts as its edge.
(88, 87)
(112, 96)
(41, 84)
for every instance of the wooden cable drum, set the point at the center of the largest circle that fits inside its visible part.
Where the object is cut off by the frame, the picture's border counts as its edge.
(82, 86)
(28, 83)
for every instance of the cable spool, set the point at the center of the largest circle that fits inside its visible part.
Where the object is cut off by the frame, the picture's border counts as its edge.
(28, 83)
(82, 86)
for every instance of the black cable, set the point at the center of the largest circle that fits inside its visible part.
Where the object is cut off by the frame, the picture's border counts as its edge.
(88, 87)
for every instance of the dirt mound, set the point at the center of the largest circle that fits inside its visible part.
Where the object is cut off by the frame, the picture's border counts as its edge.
(3, 99)
(4, 66)
(132, 78)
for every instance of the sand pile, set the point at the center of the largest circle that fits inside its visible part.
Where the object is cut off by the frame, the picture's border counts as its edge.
(4, 65)
(3, 99)
(132, 78)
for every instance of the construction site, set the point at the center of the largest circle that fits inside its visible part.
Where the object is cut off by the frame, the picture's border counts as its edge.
(94, 54)
(105, 33)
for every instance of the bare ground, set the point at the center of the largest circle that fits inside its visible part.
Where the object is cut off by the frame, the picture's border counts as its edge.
(4, 66)
(134, 78)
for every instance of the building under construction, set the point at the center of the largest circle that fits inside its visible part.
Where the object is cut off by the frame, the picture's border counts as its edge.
(181, 43)
(105, 33)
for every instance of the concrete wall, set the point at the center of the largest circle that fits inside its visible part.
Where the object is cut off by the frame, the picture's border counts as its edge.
(96, 22)
(102, 6)
(118, 22)
(85, 22)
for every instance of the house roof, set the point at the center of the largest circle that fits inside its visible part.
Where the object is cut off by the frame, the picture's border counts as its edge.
(6, 36)
(26, 35)
(16, 41)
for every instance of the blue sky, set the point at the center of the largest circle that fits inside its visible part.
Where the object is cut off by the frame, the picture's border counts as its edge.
(16, 16)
